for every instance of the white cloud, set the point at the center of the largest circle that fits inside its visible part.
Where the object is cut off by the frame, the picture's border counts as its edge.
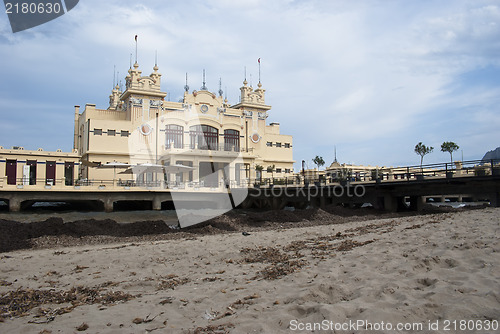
(373, 76)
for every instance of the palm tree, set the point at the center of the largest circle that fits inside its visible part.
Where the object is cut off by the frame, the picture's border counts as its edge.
(259, 168)
(270, 169)
(318, 161)
(422, 150)
(450, 147)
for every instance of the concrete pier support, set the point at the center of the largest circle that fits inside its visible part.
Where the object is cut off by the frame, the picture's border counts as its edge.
(14, 205)
(417, 203)
(390, 203)
(108, 205)
(157, 204)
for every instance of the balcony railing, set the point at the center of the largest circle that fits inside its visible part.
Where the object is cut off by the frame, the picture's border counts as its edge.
(209, 147)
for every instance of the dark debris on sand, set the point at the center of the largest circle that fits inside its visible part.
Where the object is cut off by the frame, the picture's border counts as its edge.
(54, 232)
(19, 302)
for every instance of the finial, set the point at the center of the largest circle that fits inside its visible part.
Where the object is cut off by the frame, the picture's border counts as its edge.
(155, 68)
(186, 87)
(220, 87)
(225, 95)
(135, 49)
(259, 72)
(114, 75)
(204, 87)
(130, 62)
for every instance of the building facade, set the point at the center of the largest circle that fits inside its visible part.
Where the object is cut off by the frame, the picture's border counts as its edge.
(28, 169)
(203, 131)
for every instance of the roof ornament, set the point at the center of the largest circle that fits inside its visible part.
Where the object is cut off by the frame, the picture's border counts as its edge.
(186, 87)
(204, 87)
(155, 68)
(220, 87)
(260, 85)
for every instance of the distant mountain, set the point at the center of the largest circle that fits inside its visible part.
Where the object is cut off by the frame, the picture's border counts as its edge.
(495, 154)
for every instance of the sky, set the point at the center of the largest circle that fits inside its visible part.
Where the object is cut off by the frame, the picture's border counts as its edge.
(370, 78)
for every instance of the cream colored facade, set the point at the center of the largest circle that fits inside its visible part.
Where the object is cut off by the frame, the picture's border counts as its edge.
(27, 169)
(202, 131)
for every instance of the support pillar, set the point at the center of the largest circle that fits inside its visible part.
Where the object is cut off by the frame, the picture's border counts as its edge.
(156, 204)
(108, 205)
(14, 205)
(390, 203)
(417, 203)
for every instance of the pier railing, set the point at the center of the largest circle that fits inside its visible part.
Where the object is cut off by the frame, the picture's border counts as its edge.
(341, 175)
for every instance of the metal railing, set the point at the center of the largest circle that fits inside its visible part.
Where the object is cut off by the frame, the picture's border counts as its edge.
(472, 168)
(209, 147)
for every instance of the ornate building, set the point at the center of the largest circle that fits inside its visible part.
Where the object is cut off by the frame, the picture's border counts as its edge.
(202, 131)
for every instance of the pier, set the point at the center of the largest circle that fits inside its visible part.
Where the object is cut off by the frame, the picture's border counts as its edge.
(471, 181)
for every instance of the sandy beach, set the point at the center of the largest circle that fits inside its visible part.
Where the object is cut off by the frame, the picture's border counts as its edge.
(323, 270)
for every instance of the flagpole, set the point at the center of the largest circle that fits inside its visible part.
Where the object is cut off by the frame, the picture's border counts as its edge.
(259, 69)
(136, 49)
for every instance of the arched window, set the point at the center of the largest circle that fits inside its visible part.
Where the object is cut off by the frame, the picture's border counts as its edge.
(174, 134)
(231, 140)
(204, 137)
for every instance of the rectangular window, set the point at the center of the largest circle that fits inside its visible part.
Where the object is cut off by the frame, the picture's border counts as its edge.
(278, 170)
(174, 135)
(278, 144)
(232, 140)
(287, 170)
(98, 132)
(287, 145)
(269, 144)
(111, 132)
(124, 133)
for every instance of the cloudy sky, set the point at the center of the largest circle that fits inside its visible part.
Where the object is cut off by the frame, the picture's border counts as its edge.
(372, 77)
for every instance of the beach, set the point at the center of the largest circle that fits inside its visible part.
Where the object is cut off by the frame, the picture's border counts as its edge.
(316, 271)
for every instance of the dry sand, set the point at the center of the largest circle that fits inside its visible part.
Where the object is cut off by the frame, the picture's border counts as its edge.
(415, 269)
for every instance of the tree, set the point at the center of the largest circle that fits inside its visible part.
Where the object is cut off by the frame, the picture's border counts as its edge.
(423, 150)
(318, 161)
(270, 169)
(450, 147)
(259, 168)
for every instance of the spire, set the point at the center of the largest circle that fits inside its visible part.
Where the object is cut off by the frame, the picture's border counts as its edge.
(335, 152)
(220, 87)
(135, 49)
(259, 73)
(114, 75)
(204, 87)
(186, 87)
(245, 80)
(155, 68)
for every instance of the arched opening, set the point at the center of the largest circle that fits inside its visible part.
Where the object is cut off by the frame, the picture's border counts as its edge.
(204, 137)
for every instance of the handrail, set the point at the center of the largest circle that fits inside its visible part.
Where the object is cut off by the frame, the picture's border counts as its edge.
(470, 168)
